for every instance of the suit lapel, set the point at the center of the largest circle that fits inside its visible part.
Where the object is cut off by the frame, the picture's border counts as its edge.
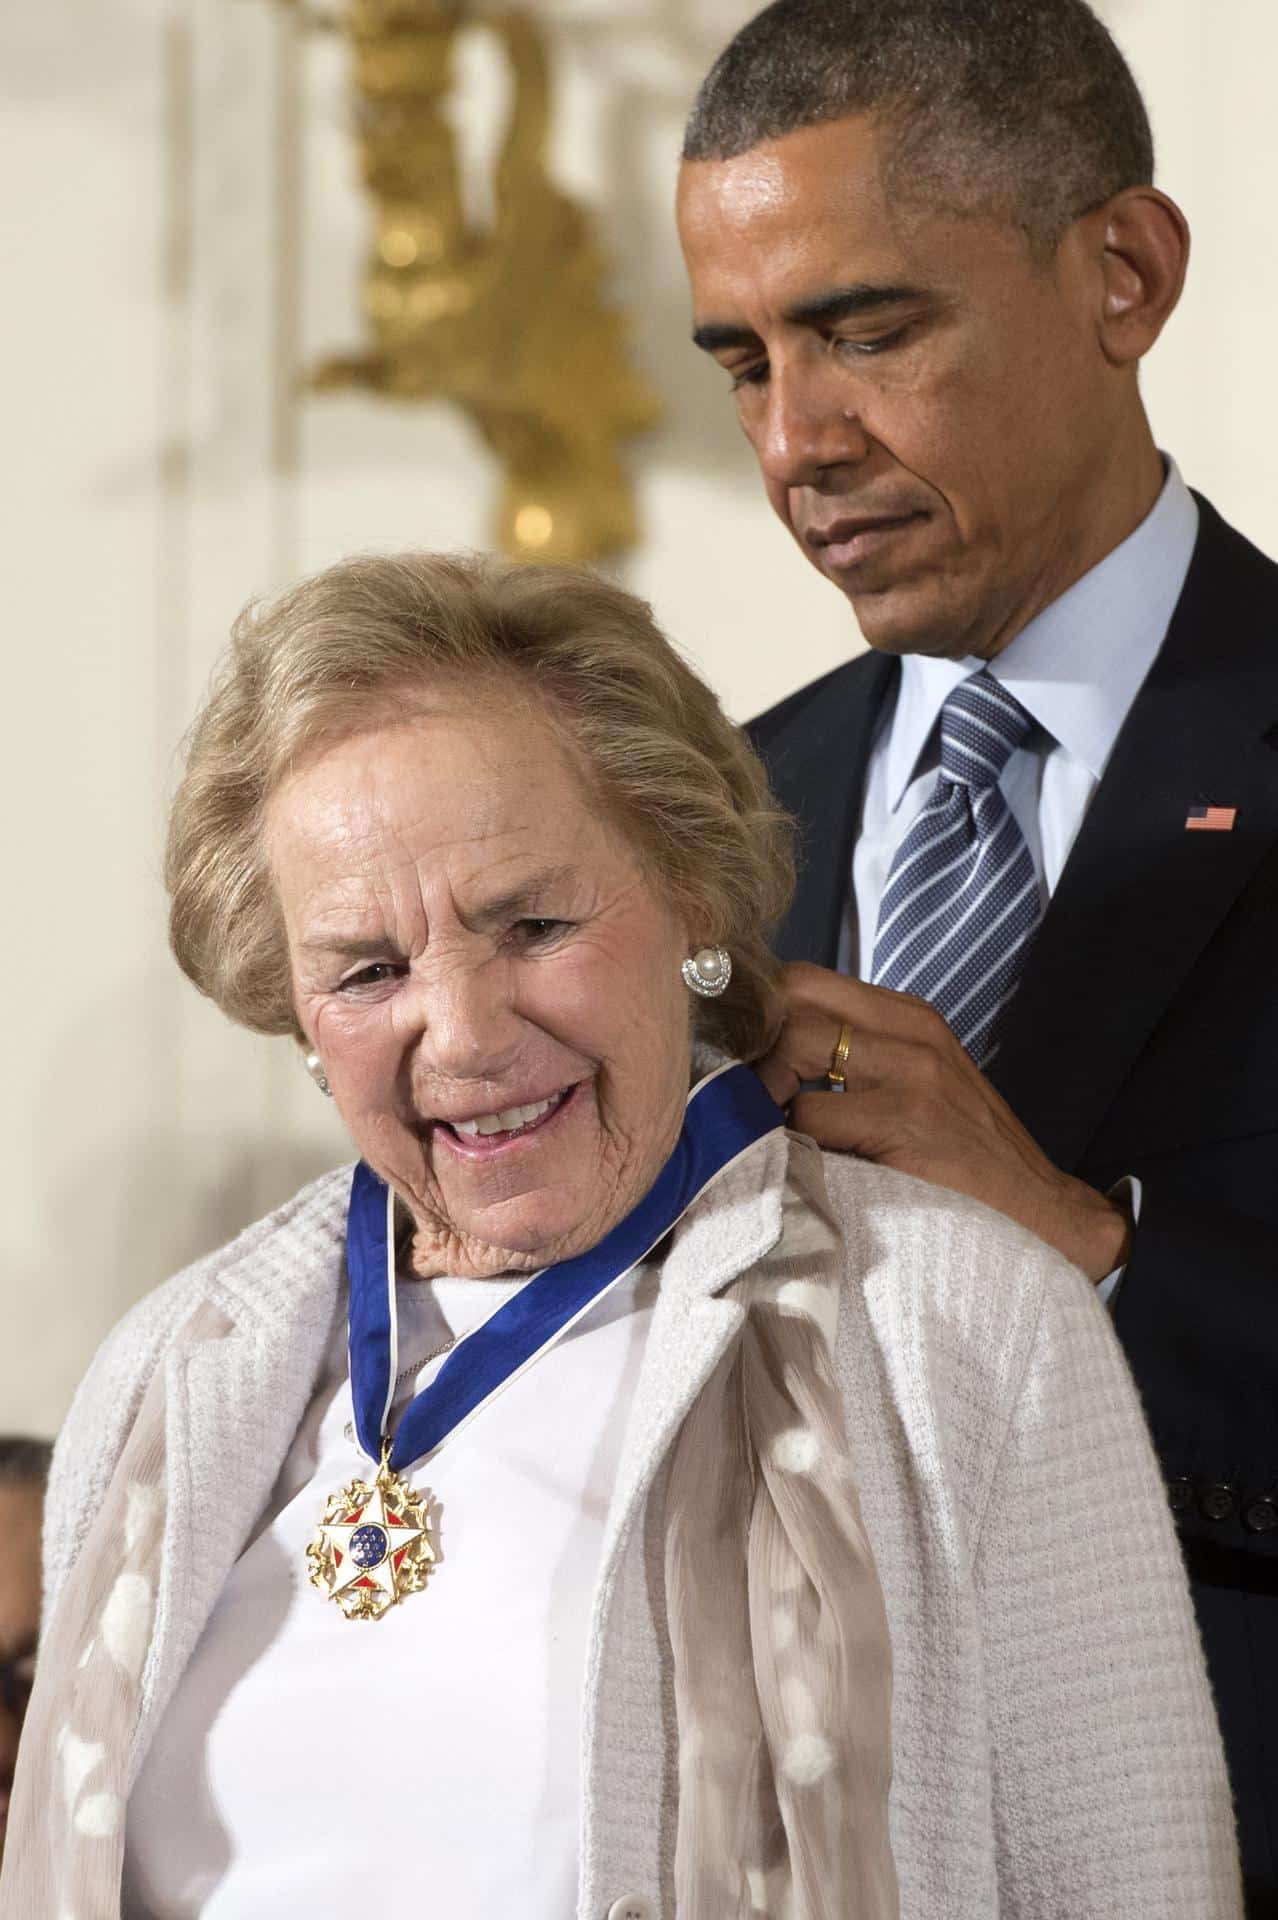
(1140, 896)
(817, 748)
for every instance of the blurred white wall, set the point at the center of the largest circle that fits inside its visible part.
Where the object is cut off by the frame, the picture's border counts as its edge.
(152, 483)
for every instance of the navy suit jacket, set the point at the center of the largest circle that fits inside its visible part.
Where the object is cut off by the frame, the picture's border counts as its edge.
(1144, 1040)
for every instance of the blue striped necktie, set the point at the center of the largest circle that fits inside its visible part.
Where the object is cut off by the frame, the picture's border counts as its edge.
(961, 903)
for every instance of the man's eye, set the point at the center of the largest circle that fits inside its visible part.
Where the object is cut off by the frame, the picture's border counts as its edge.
(863, 348)
(750, 376)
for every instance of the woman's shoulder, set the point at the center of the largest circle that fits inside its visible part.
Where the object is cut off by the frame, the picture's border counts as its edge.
(952, 1290)
(946, 1248)
(267, 1264)
(287, 1242)
(953, 1314)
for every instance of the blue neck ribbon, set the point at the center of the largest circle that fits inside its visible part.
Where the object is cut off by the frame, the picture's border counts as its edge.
(726, 1113)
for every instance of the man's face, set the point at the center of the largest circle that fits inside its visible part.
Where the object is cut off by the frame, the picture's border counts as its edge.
(21, 1504)
(930, 407)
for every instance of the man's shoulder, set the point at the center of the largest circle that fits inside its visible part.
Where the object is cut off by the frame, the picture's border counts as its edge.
(1222, 543)
(1227, 563)
(822, 703)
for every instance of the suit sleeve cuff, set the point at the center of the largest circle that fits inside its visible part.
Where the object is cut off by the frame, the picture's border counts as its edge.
(1127, 1192)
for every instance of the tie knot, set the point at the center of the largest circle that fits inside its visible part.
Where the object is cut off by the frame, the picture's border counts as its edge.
(981, 726)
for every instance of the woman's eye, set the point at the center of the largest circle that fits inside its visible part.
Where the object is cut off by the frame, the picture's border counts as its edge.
(376, 974)
(538, 933)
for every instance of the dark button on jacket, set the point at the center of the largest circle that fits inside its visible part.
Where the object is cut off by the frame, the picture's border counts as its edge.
(1217, 1501)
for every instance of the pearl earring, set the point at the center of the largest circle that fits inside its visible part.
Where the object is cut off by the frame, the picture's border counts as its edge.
(708, 971)
(315, 1067)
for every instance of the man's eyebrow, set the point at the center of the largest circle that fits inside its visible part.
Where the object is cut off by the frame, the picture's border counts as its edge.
(840, 303)
(846, 303)
(713, 338)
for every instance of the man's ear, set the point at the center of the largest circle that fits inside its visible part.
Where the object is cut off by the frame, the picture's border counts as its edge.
(1142, 249)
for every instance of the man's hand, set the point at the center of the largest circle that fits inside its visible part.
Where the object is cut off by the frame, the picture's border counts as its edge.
(913, 1100)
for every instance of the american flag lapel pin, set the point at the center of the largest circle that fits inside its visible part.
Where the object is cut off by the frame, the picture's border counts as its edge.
(1210, 819)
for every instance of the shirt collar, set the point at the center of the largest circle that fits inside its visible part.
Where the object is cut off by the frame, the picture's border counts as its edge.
(1078, 666)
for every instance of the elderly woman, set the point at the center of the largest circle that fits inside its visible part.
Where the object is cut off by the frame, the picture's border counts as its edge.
(601, 1502)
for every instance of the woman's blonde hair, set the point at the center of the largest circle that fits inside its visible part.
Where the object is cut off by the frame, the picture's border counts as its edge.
(350, 649)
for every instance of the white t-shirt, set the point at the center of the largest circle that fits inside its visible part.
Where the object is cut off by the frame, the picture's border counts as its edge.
(427, 1761)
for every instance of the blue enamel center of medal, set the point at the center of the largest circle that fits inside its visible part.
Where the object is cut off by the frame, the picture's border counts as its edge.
(369, 1545)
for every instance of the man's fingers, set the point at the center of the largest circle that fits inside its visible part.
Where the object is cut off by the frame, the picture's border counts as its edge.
(803, 1050)
(814, 1003)
(899, 1073)
(836, 1121)
(778, 1076)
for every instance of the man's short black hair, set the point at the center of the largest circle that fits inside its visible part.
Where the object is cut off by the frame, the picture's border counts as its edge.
(23, 1461)
(1024, 109)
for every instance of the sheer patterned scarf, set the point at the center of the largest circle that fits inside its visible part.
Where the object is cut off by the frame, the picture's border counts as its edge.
(778, 1631)
(64, 1853)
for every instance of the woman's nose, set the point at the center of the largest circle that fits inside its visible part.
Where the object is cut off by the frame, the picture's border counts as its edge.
(467, 1027)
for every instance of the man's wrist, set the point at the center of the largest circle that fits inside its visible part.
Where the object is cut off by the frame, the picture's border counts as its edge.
(1098, 1237)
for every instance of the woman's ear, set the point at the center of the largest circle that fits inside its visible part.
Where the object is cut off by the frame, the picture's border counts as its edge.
(1143, 240)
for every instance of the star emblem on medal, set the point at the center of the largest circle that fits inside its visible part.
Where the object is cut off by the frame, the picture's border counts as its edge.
(373, 1545)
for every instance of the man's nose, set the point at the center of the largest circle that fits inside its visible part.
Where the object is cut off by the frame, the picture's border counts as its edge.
(810, 425)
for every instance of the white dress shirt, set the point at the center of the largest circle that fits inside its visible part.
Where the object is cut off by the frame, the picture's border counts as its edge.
(426, 1762)
(1076, 669)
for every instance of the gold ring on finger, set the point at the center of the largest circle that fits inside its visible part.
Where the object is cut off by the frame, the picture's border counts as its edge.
(835, 1073)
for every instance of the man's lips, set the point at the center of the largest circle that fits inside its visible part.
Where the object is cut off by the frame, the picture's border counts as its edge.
(852, 538)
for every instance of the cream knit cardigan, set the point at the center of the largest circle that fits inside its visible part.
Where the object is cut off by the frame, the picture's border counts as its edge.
(1055, 1747)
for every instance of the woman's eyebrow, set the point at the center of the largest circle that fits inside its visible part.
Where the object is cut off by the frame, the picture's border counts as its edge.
(520, 899)
(348, 946)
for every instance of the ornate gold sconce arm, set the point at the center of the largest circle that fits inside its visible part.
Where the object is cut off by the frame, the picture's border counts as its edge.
(511, 325)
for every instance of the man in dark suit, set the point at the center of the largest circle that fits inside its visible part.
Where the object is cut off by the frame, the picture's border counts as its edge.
(1040, 816)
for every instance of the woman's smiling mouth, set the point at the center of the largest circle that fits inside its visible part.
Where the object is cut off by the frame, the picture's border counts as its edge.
(488, 1133)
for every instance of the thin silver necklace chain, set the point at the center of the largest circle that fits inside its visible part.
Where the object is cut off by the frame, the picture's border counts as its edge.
(405, 1374)
(410, 1372)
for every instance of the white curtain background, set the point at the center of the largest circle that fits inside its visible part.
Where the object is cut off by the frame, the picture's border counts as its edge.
(153, 480)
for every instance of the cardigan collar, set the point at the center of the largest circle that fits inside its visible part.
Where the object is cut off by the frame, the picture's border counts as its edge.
(295, 1271)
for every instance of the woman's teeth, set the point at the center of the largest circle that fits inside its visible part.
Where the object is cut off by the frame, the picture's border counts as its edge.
(511, 1120)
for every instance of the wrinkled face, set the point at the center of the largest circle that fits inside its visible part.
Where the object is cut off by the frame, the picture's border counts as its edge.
(492, 986)
(21, 1505)
(931, 410)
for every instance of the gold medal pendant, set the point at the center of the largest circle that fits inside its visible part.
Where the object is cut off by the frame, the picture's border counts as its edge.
(373, 1545)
